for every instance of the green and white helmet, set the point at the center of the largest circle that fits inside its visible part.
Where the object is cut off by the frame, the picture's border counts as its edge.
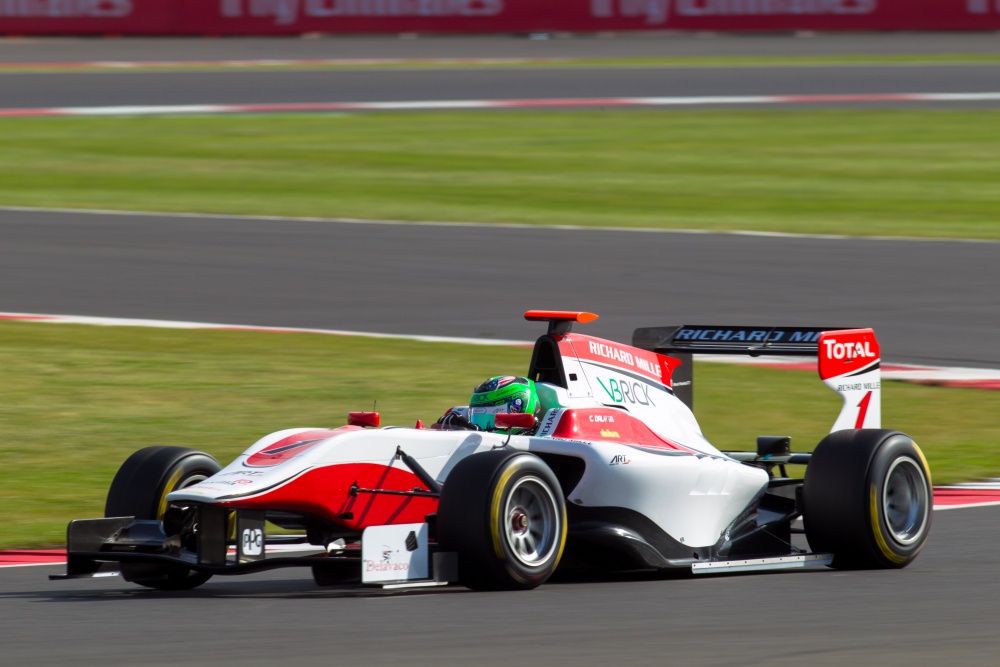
(499, 395)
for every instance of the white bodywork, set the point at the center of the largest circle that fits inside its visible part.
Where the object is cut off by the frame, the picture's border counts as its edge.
(691, 497)
(666, 470)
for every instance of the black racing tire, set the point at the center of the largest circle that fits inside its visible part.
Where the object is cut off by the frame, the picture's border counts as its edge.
(867, 499)
(140, 489)
(504, 514)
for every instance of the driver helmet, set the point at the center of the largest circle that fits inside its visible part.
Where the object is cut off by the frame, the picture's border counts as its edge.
(502, 394)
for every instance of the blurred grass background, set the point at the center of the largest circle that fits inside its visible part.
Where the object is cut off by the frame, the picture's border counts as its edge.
(855, 172)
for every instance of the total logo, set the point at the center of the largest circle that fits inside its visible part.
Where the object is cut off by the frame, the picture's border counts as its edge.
(253, 542)
(856, 350)
(620, 460)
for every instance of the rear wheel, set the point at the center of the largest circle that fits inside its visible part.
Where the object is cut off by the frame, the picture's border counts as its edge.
(140, 489)
(504, 514)
(867, 499)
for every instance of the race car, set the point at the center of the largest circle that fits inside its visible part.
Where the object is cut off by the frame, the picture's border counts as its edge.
(611, 472)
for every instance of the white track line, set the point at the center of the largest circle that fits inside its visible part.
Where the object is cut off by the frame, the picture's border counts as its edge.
(495, 225)
(444, 105)
(437, 62)
(939, 508)
(282, 62)
(172, 324)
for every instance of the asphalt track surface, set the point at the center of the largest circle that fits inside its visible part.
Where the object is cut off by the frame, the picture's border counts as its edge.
(60, 89)
(930, 301)
(941, 610)
(81, 89)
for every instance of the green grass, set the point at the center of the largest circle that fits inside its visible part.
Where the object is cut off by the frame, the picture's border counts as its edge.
(899, 173)
(75, 401)
(530, 62)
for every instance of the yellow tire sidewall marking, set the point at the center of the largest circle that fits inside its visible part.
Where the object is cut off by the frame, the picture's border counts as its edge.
(171, 483)
(562, 540)
(498, 493)
(876, 528)
(927, 468)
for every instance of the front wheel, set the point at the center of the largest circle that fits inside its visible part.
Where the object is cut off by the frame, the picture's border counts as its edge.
(504, 514)
(140, 489)
(867, 499)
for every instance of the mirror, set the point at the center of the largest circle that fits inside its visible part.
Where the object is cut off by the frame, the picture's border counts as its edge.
(506, 421)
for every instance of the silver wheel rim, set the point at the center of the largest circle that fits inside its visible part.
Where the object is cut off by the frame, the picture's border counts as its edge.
(186, 482)
(531, 522)
(905, 500)
(191, 481)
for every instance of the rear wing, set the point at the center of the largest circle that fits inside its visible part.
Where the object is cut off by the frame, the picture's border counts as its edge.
(848, 359)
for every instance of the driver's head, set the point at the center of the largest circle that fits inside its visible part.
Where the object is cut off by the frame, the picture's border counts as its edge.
(502, 394)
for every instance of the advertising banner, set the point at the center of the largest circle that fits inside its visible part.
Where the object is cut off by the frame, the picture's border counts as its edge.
(89, 17)
(277, 17)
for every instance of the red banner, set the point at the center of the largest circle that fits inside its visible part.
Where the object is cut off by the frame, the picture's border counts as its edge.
(283, 17)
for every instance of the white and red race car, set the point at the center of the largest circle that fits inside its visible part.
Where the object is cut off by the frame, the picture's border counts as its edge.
(615, 475)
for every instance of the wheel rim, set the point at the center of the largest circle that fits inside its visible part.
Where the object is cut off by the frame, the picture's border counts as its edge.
(191, 480)
(196, 478)
(531, 521)
(905, 500)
